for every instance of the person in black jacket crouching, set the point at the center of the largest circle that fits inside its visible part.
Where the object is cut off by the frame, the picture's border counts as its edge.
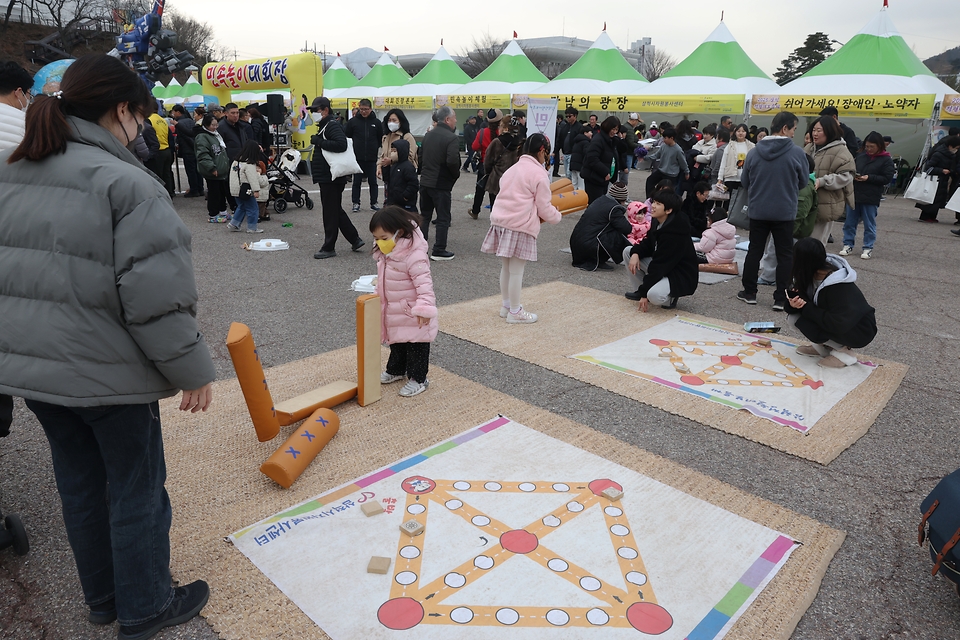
(601, 233)
(827, 306)
(663, 266)
(402, 182)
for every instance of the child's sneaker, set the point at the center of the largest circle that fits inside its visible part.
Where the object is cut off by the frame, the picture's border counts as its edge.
(867, 254)
(222, 217)
(521, 317)
(254, 230)
(504, 311)
(232, 227)
(847, 250)
(212, 220)
(387, 378)
(413, 388)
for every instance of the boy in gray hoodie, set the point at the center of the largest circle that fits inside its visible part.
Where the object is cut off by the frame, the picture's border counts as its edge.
(672, 162)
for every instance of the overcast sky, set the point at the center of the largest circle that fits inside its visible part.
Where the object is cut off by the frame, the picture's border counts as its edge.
(767, 31)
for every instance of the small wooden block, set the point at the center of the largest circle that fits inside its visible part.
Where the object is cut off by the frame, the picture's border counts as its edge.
(378, 565)
(683, 369)
(371, 508)
(764, 342)
(665, 354)
(612, 493)
(411, 528)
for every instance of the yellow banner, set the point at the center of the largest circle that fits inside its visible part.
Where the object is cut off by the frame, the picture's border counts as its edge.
(655, 104)
(475, 101)
(417, 103)
(883, 106)
(950, 107)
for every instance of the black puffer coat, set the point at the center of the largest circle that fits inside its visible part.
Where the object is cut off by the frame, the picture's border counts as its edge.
(603, 226)
(673, 256)
(330, 136)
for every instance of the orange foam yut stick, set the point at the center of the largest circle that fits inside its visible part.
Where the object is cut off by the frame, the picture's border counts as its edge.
(289, 461)
(253, 382)
(569, 202)
(562, 185)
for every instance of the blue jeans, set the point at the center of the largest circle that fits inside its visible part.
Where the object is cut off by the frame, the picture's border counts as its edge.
(867, 213)
(246, 207)
(566, 165)
(110, 471)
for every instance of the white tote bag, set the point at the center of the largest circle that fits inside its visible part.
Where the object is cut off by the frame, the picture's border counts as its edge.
(923, 188)
(343, 163)
(954, 204)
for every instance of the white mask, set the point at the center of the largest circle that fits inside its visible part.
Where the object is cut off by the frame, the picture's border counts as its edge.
(393, 126)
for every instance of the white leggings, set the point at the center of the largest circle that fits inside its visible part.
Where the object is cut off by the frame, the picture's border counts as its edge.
(511, 280)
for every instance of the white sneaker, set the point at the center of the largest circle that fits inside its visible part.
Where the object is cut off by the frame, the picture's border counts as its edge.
(847, 250)
(521, 317)
(867, 254)
(413, 388)
(504, 311)
(387, 378)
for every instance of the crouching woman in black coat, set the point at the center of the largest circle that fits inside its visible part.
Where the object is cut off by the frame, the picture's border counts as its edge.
(664, 265)
(601, 233)
(827, 306)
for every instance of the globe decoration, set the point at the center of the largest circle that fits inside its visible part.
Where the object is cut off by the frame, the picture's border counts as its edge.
(47, 80)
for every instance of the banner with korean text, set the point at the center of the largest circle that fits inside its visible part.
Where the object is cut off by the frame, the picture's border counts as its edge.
(542, 118)
(880, 106)
(950, 107)
(732, 104)
(475, 101)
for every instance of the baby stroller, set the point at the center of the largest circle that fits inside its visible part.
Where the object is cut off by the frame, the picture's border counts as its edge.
(282, 174)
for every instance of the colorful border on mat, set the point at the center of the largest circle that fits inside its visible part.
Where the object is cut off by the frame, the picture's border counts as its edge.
(744, 591)
(385, 472)
(760, 413)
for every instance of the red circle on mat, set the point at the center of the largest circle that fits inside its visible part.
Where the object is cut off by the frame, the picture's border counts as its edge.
(732, 360)
(649, 618)
(415, 485)
(597, 486)
(813, 384)
(400, 613)
(519, 541)
(694, 380)
(659, 342)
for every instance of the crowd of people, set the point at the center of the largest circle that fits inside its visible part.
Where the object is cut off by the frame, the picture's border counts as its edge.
(114, 274)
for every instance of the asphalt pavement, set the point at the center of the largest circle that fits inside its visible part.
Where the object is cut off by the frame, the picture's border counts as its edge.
(879, 583)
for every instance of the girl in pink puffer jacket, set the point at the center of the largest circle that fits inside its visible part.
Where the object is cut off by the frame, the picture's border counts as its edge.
(718, 245)
(408, 307)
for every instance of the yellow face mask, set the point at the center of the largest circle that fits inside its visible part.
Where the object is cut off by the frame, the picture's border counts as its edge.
(386, 246)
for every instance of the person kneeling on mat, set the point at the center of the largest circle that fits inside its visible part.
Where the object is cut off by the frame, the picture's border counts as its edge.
(827, 306)
(663, 266)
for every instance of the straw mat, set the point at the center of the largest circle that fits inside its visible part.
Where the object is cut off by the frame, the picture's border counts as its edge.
(216, 488)
(569, 323)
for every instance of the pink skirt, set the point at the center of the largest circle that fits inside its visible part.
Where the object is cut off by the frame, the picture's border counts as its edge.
(506, 243)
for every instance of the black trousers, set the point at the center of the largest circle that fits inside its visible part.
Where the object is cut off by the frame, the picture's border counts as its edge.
(480, 191)
(193, 174)
(335, 219)
(782, 232)
(595, 189)
(432, 198)
(6, 414)
(369, 170)
(411, 359)
(216, 196)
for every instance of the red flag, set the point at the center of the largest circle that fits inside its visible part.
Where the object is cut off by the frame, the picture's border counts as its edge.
(338, 54)
(604, 26)
(441, 42)
(385, 48)
(514, 34)
(885, 4)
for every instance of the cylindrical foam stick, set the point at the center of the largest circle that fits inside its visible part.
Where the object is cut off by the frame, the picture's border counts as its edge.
(288, 462)
(570, 202)
(253, 382)
(561, 186)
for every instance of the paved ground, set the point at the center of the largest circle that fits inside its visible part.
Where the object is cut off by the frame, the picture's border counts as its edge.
(879, 584)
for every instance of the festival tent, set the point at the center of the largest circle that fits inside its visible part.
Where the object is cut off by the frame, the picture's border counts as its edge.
(719, 66)
(383, 78)
(440, 76)
(601, 71)
(169, 94)
(192, 92)
(510, 73)
(337, 79)
(876, 61)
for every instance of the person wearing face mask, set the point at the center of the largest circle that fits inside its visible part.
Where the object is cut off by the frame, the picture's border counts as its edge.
(15, 85)
(99, 324)
(397, 127)
(523, 204)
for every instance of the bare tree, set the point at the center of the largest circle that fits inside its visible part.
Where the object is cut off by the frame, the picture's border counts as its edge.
(485, 50)
(659, 64)
(6, 18)
(69, 15)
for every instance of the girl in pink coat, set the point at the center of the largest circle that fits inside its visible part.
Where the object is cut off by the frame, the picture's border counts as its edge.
(718, 245)
(523, 203)
(408, 307)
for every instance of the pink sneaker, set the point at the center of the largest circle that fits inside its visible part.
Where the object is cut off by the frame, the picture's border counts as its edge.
(521, 317)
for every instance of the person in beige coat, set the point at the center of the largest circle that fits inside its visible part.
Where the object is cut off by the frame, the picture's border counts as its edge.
(396, 127)
(835, 169)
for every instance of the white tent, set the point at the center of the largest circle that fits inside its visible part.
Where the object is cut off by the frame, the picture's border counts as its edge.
(511, 73)
(601, 71)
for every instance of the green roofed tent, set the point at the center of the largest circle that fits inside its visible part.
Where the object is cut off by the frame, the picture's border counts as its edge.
(511, 73)
(337, 79)
(441, 76)
(876, 61)
(718, 66)
(601, 70)
(382, 79)
(192, 91)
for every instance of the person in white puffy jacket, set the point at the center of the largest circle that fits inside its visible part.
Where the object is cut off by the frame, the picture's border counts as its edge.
(15, 83)
(243, 172)
(718, 244)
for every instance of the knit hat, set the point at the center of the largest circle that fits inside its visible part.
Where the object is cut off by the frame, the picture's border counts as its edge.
(494, 115)
(634, 116)
(618, 191)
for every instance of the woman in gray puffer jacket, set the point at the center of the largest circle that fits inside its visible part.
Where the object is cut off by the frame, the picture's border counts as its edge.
(97, 323)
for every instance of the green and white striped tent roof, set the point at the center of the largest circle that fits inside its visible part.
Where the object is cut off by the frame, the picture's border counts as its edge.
(337, 78)
(384, 77)
(441, 76)
(601, 70)
(876, 61)
(170, 93)
(512, 72)
(192, 91)
(718, 66)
